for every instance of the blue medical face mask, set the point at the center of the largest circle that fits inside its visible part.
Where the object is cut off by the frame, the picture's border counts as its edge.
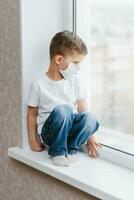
(70, 71)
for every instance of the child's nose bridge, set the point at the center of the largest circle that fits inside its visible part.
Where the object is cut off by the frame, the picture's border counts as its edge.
(78, 66)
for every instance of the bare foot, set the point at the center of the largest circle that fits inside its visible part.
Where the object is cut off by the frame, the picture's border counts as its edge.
(93, 146)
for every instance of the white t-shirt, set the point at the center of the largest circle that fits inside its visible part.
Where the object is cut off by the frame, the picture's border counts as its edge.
(46, 94)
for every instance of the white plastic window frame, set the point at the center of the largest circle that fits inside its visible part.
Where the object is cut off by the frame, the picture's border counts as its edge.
(118, 147)
(78, 21)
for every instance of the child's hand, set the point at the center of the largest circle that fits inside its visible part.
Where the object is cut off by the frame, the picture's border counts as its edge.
(93, 146)
(36, 145)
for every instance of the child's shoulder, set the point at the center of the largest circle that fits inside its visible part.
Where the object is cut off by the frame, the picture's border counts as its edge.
(37, 82)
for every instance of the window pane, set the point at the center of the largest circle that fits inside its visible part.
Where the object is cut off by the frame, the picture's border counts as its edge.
(112, 68)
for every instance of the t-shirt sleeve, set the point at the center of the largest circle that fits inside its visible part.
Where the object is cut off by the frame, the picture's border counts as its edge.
(81, 92)
(33, 96)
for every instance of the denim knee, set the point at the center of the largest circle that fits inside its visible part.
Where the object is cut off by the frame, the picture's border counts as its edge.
(63, 110)
(91, 121)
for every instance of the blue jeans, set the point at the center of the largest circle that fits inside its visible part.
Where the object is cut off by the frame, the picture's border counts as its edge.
(64, 131)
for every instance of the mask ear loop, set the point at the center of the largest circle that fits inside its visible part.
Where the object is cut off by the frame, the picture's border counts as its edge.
(59, 67)
(60, 72)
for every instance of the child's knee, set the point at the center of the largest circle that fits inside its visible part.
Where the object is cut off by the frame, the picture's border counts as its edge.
(63, 110)
(91, 120)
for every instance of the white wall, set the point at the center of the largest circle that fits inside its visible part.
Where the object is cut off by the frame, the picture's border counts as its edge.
(41, 19)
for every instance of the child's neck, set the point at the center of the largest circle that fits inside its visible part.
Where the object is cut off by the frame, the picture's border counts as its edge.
(53, 73)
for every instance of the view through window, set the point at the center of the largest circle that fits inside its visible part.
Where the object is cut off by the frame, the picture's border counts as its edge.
(112, 68)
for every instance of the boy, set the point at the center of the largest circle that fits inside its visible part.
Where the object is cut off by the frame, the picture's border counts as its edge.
(57, 105)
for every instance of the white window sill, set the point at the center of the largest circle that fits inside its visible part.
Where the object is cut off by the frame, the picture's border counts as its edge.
(98, 177)
(116, 139)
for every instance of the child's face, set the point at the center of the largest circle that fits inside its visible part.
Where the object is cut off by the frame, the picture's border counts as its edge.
(74, 57)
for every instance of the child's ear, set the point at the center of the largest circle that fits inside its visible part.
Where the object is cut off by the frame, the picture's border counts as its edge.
(58, 59)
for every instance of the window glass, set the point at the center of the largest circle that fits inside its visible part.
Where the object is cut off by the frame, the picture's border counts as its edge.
(112, 63)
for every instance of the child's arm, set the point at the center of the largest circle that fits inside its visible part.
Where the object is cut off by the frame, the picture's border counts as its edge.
(32, 127)
(93, 146)
(82, 105)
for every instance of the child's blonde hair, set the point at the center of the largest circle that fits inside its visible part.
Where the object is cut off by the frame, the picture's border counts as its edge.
(66, 41)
